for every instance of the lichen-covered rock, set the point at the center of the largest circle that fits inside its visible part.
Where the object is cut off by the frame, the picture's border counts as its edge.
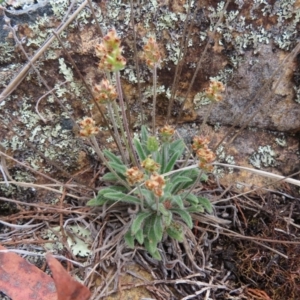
(275, 109)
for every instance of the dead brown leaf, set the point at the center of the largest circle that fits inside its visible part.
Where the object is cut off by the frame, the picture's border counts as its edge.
(67, 288)
(21, 280)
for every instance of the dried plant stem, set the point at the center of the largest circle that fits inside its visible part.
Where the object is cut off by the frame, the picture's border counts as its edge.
(2, 154)
(48, 208)
(131, 151)
(211, 105)
(21, 75)
(257, 188)
(262, 173)
(181, 57)
(96, 21)
(42, 97)
(200, 62)
(136, 62)
(154, 98)
(42, 186)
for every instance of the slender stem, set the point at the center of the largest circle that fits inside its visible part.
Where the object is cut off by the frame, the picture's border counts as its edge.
(120, 124)
(211, 105)
(88, 89)
(142, 198)
(115, 126)
(132, 154)
(201, 59)
(262, 173)
(96, 21)
(154, 98)
(157, 204)
(136, 63)
(181, 56)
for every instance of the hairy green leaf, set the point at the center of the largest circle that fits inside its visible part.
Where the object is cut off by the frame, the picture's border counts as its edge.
(129, 239)
(164, 157)
(98, 201)
(161, 209)
(140, 236)
(175, 231)
(156, 255)
(119, 196)
(177, 201)
(137, 222)
(167, 219)
(191, 198)
(140, 150)
(186, 217)
(195, 209)
(110, 177)
(112, 158)
(148, 196)
(171, 163)
(206, 204)
(177, 146)
(119, 168)
(178, 183)
(150, 245)
(156, 228)
(144, 134)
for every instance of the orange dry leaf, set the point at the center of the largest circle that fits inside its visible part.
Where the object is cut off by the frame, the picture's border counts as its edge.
(21, 280)
(67, 288)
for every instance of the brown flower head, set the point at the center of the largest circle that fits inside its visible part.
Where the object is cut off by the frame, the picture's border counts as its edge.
(87, 127)
(110, 53)
(213, 92)
(150, 165)
(151, 53)
(104, 92)
(199, 142)
(156, 184)
(134, 175)
(167, 133)
(206, 156)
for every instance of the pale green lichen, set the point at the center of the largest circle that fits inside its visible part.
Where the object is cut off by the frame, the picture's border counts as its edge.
(297, 94)
(7, 53)
(281, 141)
(224, 158)
(201, 99)
(69, 77)
(264, 156)
(78, 238)
(54, 142)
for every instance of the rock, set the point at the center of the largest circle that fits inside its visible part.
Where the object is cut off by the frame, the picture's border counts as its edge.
(276, 110)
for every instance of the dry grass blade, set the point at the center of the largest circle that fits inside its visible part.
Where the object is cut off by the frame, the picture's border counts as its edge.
(21, 75)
